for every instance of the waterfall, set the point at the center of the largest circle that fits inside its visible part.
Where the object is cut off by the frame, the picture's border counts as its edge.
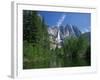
(58, 39)
(60, 21)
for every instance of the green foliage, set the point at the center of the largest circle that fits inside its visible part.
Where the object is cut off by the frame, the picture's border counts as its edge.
(75, 49)
(35, 57)
(88, 55)
(35, 46)
(32, 25)
(82, 44)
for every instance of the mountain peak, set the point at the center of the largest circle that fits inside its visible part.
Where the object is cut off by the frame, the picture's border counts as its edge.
(58, 34)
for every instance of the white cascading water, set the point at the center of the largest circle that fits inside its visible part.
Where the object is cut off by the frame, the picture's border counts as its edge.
(58, 38)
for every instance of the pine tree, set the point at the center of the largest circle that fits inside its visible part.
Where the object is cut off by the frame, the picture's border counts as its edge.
(36, 41)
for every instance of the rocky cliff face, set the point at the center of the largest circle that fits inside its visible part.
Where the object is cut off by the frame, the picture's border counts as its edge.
(58, 34)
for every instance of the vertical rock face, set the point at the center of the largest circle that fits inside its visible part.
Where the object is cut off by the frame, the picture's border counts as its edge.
(57, 35)
(69, 30)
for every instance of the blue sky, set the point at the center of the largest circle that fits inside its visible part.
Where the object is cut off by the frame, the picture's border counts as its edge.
(81, 20)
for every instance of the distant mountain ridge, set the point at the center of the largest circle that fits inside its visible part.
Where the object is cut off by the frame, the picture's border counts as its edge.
(64, 31)
(69, 30)
(58, 34)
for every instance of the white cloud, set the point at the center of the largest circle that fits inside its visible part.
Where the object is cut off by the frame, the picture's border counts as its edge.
(85, 30)
(61, 20)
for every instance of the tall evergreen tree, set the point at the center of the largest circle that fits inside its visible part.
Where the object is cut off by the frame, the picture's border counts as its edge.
(36, 41)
